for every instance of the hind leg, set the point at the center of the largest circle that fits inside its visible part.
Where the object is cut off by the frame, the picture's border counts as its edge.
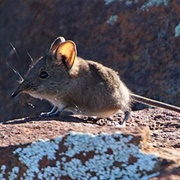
(126, 117)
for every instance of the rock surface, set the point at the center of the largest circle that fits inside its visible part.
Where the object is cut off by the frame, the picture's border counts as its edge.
(140, 39)
(74, 146)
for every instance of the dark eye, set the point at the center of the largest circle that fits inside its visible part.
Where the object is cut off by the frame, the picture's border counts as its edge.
(43, 75)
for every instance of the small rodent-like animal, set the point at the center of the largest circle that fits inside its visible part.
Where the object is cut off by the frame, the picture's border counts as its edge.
(81, 86)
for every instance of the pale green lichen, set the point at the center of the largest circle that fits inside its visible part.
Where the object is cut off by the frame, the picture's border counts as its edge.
(177, 30)
(14, 173)
(127, 2)
(2, 172)
(101, 165)
(147, 4)
(151, 3)
(33, 153)
(112, 19)
(107, 2)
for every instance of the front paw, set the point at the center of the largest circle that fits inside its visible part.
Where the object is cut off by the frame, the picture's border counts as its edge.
(45, 114)
(48, 114)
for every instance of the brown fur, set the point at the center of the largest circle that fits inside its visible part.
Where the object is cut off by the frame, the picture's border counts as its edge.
(82, 86)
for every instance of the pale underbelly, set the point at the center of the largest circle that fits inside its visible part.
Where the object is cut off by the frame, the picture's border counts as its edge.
(101, 114)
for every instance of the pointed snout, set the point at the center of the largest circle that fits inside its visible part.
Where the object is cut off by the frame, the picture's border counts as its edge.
(17, 92)
(24, 86)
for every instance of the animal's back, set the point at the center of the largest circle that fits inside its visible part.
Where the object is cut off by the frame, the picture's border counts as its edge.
(99, 90)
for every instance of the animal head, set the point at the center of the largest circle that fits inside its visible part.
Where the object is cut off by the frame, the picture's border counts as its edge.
(51, 72)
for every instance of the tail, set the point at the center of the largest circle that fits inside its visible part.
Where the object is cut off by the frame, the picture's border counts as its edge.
(152, 102)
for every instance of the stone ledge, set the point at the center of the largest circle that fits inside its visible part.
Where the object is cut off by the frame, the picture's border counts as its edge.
(86, 151)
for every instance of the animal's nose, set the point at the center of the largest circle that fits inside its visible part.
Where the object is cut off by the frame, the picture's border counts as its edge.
(18, 90)
(22, 87)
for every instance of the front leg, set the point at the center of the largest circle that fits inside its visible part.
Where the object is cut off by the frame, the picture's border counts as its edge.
(49, 114)
(57, 112)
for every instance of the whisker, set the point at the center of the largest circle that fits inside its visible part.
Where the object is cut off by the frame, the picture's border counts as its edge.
(30, 57)
(21, 79)
(14, 49)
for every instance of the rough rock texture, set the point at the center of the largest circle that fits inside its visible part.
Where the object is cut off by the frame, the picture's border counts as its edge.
(104, 153)
(81, 156)
(140, 39)
(74, 146)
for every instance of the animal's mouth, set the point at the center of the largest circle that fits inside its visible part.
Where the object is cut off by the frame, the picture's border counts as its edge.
(17, 92)
(23, 87)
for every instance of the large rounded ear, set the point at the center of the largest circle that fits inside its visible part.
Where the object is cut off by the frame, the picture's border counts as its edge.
(56, 44)
(66, 53)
